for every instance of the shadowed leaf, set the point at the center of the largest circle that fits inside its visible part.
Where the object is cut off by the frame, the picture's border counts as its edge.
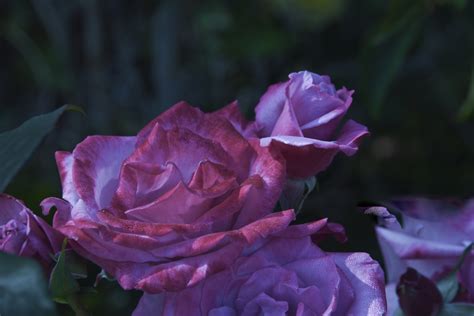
(17, 145)
(23, 288)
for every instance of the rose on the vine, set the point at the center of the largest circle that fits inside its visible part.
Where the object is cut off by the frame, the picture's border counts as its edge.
(180, 201)
(301, 117)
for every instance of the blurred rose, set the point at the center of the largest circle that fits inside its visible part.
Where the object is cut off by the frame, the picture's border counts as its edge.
(23, 233)
(286, 274)
(301, 117)
(178, 202)
(418, 295)
(430, 238)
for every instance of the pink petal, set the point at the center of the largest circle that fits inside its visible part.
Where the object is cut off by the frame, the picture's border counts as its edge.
(65, 161)
(210, 126)
(287, 124)
(367, 280)
(232, 113)
(96, 167)
(269, 108)
(306, 157)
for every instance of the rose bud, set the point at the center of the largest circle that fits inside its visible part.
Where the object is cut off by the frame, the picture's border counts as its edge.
(301, 118)
(418, 295)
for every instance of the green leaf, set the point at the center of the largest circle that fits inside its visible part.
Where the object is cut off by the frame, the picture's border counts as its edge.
(75, 263)
(449, 286)
(17, 145)
(23, 288)
(62, 283)
(457, 309)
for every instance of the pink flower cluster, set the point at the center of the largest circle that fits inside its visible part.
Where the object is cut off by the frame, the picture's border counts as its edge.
(185, 210)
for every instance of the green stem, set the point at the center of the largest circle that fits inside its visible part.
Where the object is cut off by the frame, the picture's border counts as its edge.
(75, 304)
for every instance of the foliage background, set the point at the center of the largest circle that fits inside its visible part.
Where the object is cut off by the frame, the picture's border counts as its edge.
(411, 63)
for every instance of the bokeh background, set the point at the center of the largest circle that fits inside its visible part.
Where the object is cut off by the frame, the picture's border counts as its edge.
(411, 63)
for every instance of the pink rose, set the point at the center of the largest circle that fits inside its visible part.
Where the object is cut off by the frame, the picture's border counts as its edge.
(286, 274)
(301, 117)
(23, 233)
(178, 202)
(430, 238)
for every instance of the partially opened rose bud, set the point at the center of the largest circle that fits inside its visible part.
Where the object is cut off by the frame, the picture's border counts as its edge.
(301, 117)
(418, 295)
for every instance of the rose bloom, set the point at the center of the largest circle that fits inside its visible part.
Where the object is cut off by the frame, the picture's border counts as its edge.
(301, 116)
(430, 238)
(23, 233)
(178, 202)
(286, 274)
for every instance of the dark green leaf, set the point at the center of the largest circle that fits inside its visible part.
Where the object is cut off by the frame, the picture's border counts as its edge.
(23, 288)
(76, 264)
(458, 4)
(17, 145)
(457, 309)
(394, 23)
(62, 283)
(467, 109)
(449, 286)
(387, 49)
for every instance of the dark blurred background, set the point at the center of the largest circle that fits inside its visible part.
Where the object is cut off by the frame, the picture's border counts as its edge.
(411, 63)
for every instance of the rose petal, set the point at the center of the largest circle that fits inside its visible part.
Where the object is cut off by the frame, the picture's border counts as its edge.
(285, 274)
(28, 235)
(96, 167)
(232, 113)
(306, 157)
(269, 108)
(65, 161)
(287, 124)
(367, 280)
(207, 126)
